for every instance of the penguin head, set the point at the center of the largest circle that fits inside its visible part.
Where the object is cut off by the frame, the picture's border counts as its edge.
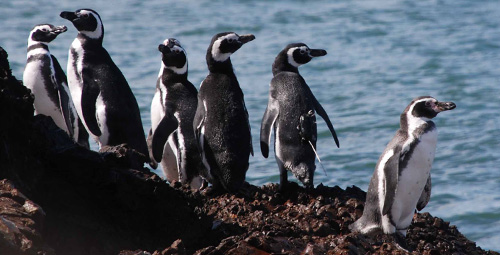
(173, 55)
(295, 55)
(427, 107)
(225, 44)
(45, 33)
(87, 22)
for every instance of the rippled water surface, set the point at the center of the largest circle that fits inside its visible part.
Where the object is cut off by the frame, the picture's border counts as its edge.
(381, 55)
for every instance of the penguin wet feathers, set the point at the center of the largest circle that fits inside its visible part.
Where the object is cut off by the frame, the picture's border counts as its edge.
(102, 96)
(47, 81)
(171, 139)
(221, 122)
(291, 112)
(401, 182)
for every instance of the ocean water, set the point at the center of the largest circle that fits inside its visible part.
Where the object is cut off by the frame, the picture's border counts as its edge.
(381, 55)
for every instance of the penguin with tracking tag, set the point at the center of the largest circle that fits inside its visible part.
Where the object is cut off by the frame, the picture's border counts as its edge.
(291, 112)
(101, 94)
(402, 181)
(221, 122)
(171, 139)
(45, 78)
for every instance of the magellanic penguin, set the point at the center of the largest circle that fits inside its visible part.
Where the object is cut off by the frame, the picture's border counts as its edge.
(45, 78)
(221, 122)
(402, 181)
(101, 94)
(290, 111)
(171, 139)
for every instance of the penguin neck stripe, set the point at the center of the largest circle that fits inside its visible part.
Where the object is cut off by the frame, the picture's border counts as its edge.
(32, 45)
(291, 60)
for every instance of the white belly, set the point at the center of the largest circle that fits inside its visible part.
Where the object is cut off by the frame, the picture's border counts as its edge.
(412, 180)
(34, 80)
(75, 78)
(157, 111)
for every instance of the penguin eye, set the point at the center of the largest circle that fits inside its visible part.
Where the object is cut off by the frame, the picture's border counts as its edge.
(302, 52)
(230, 40)
(85, 15)
(44, 30)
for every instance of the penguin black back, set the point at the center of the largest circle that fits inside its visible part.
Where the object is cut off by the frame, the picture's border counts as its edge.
(221, 122)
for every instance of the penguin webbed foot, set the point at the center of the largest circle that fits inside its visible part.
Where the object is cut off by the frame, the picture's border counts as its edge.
(400, 241)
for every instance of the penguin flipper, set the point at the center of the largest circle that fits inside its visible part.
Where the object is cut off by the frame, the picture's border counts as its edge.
(65, 102)
(149, 142)
(270, 116)
(166, 126)
(426, 195)
(90, 92)
(391, 174)
(198, 123)
(249, 128)
(321, 112)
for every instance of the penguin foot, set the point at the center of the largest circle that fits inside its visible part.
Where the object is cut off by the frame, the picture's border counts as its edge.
(400, 241)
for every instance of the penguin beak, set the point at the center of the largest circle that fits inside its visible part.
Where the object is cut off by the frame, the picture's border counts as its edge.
(444, 106)
(317, 52)
(68, 15)
(59, 30)
(246, 38)
(161, 47)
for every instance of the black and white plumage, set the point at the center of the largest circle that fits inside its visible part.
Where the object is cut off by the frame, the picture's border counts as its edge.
(401, 181)
(101, 94)
(291, 111)
(221, 122)
(45, 78)
(171, 139)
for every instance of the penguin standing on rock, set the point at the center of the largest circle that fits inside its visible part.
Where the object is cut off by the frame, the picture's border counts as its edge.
(291, 111)
(101, 94)
(221, 123)
(171, 139)
(402, 181)
(45, 78)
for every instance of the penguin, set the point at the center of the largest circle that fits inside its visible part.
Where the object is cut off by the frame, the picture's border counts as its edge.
(401, 181)
(47, 81)
(221, 122)
(171, 139)
(291, 111)
(102, 96)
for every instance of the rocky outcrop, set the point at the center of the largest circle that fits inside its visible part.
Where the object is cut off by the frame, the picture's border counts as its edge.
(59, 198)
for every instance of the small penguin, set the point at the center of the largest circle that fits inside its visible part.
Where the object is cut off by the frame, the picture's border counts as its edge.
(402, 181)
(102, 96)
(45, 78)
(171, 139)
(290, 111)
(221, 122)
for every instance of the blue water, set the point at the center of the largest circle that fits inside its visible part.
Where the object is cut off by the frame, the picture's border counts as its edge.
(381, 55)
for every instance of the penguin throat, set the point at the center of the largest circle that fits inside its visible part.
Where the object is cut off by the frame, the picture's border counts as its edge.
(39, 46)
(225, 67)
(177, 70)
(283, 66)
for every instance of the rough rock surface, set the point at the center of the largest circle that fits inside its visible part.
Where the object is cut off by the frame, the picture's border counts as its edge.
(59, 198)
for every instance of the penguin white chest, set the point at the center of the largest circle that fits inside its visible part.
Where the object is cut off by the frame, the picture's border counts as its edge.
(74, 74)
(413, 178)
